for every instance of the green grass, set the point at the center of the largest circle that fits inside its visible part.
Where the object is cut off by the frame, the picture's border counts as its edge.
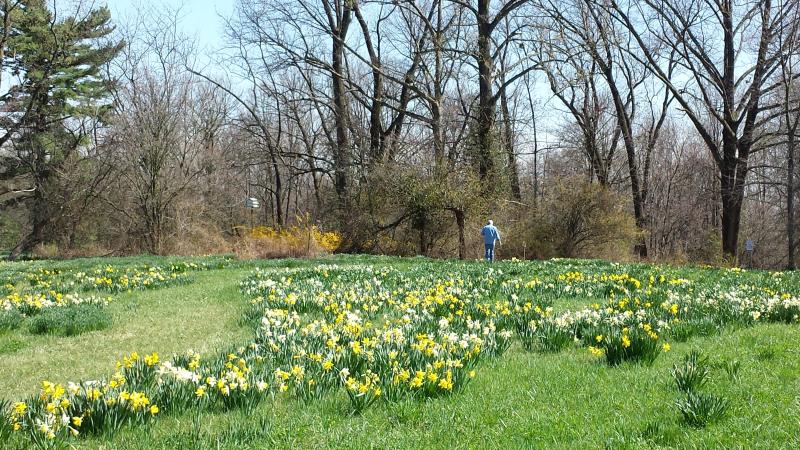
(10, 345)
(203, 316)
(529, 400)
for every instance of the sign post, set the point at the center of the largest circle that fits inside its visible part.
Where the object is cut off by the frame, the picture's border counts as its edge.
(749, 246)
(251, 203)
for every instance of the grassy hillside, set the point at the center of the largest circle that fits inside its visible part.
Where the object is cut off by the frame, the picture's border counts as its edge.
(553, 382)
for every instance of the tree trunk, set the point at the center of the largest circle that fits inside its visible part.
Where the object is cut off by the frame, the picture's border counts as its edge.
(376, 142)
(486, 99)
(342, 151)
(278, 193)
(790, 201)
(731, 213)
(462, 242)
(626, 129)
(732, 193)
(792, 120)
(438, 93)
(39, 219)
(423, 249)
(375, 126)
(508, 138)
(41, 172)
(535, 144)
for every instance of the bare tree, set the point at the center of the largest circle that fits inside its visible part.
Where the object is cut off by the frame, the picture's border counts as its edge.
(491, 44)
(161, 129)
(790, 108)
(725, 83)
(573, 81)
(582, 30)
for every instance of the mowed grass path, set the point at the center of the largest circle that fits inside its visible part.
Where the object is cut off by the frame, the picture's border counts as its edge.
(202, 315)
(528, 400)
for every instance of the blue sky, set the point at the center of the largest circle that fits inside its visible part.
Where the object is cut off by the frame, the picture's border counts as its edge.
(199, 18)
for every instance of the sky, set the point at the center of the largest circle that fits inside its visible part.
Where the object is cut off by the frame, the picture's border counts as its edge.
(199, 18)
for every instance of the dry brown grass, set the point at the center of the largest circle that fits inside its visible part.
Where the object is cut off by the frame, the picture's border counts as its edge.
(199, 240)
(268, 247)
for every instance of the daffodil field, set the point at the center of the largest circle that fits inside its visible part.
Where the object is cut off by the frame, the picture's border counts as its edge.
(370, 336)
(31, 291)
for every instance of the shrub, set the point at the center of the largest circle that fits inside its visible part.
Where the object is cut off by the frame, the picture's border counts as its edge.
(6, 428)
(581, 219)
(46, 251)
(87, 250)
(10, 345)
(70, 320)
(731, 368)
(409, 211)
(194, 236)
(546, 336)
(693, 326)
(657, 434)
(10, 231)
(295, 241)
(628, 344)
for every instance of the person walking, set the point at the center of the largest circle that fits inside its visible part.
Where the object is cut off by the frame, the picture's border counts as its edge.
(490, 235)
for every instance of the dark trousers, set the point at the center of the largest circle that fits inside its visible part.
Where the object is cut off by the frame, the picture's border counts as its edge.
(489, 255)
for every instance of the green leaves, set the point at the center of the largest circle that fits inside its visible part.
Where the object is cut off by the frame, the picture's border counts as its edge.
(699, 409)
(693, 373)
(58, 61)
(61, 59)
(70, 320)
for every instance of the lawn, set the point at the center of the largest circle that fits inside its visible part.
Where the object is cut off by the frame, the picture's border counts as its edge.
(526, 400)
(567, 354)
(167, 321)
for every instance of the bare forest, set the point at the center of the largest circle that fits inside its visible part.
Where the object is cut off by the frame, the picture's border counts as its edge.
(655, 130)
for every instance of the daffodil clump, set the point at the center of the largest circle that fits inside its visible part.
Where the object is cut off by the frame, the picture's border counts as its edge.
(32, 304)
(376, 343)
(60, 412)
(112, 279)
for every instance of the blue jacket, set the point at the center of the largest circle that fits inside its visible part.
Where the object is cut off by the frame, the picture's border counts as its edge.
(490, 234)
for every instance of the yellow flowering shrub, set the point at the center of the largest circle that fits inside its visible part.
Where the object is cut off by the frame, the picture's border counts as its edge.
(293, 241)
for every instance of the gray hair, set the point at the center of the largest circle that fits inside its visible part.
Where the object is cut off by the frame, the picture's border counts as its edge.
(490, 222)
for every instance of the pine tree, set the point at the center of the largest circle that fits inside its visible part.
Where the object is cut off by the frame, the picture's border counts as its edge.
(59, 64)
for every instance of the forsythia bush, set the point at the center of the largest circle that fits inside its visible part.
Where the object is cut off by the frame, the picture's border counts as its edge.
(296, 241)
